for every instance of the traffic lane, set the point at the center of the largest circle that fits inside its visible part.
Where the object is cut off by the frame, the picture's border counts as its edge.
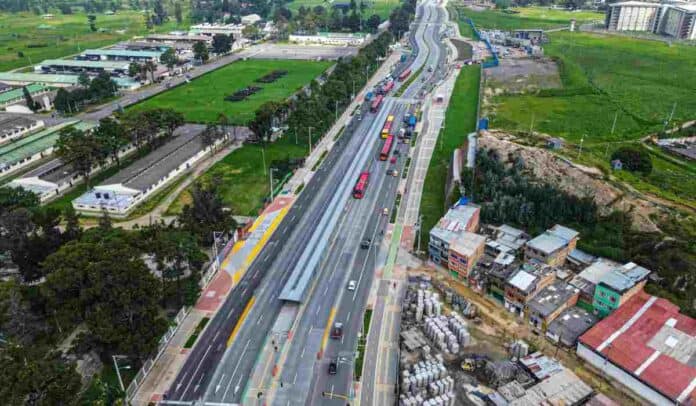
(221, 323)
(297, 251)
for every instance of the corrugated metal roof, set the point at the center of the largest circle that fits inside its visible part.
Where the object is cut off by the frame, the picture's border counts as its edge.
(38, 78)
(522, 280)
(126, 53)
(86, 64)
(19, 93)
(547, 243)
(33, 144)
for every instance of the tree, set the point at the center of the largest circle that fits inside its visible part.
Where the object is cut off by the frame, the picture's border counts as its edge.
(502, 4)
(200, 51)
(206, 213)
(111, 136)
(31, 104)
(115, 299)
(177, 12)
(251, 32)
(222, 43)
(83, 80)
(30, 377)
(169, 58)
(134, 69)
(373, 23)
(264, 118)
(160, 16)
(92, 21)
(80, 149)
(15, 197)
(102, 87)
(65, 8)
(210, 135)
(17, 322)
(634, 159)
(149, 67)
(63, 101)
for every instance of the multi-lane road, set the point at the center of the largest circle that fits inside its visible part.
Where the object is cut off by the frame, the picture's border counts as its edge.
(317, 248)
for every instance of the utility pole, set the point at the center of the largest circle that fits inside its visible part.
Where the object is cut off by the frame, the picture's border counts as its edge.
(263, 154)
(270, 180)
(310, 139)
(613, 126)
(581, 141)
(335, 111)
(419, 226)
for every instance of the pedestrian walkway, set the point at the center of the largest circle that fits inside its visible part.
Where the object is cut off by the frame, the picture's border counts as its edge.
(214, 294)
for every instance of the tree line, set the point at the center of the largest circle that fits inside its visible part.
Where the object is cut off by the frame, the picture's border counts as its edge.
(316, 107)
(310, 20)
(89, 91)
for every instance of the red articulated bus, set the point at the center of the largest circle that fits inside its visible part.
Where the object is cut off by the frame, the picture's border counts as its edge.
(404, 75)
(388, 87)
(386, 149)
(361, 185)
(376, 103)
(387, 126)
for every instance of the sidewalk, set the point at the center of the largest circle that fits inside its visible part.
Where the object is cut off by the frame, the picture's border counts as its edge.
(233, 268)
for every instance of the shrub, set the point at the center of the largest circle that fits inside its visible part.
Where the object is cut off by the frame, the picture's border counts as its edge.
(634, 159)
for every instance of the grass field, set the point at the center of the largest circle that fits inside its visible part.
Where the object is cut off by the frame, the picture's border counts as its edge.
(202, 100)
(379, 7)
(459, 122)
(64, 35)
(524, 17)
(244, 183)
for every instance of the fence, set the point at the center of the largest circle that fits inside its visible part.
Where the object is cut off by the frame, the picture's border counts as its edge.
(487, 63)
(147, 365)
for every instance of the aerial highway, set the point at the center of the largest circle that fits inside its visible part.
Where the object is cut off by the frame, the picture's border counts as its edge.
(310, 258)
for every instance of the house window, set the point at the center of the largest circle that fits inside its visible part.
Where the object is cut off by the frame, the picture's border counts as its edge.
(106, 196)
(602, 294)
(612, 299)
(98, 195)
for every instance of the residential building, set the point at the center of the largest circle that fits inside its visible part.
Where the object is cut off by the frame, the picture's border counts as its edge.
(671, 18)
(121, 193)
(34, 147)
(251, 19)
(647, 346)
(75, 66)
(176, 39)
(570, 325)
(142, 46)
(541, 366)
(330, 38)
(14, 127)
(456, 221)
(618, 286)
(549, 303)
(513, 238)
(121, 55)
(588, 279)
(578, 260)
(464, 251)
(16, 96)
(526, 283)
(553, 246)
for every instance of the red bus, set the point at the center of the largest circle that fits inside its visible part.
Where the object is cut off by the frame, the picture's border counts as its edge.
(389, 86)
(361, 185)
(387, 126)
(386, 149)
(404, 75)
(376, 103)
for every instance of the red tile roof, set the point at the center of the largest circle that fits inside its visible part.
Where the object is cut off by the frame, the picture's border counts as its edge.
(623, 338)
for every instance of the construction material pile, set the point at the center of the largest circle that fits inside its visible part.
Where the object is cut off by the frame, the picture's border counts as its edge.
(427, 383)
(448, 333)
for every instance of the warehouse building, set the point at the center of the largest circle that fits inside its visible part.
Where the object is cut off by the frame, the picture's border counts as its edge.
(174, 39)
(23, 79)
(32, 148)
(570, 325)
(15, 96)
(121, 193)
(142, 46)
(121, 55)
(674, 19)
(210, 30)
(330, 38)
(75, 66)
(648, 346)
(13, 127)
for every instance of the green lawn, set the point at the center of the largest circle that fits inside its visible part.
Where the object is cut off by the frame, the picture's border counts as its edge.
(64, 35)
(244, 184)
(525, 17)
(459, 122)
(202, 100)
(379, 7)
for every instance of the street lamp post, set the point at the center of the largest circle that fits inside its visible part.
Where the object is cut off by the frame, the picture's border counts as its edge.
(310, 139)
(270, 180)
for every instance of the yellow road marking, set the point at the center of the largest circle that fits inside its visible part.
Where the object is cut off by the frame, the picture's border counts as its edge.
(332, 314)
(245, 313)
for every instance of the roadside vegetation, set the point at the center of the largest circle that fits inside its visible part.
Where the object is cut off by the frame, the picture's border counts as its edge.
(524, 17)
(203, 99)
(459, 122)
(380, 7)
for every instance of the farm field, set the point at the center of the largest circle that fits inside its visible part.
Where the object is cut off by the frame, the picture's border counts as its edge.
(38, 39)
(524, 17)
(459, 122)
(203, 99)
(379, 7)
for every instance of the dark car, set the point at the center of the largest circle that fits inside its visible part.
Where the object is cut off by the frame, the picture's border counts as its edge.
(333, 367)
(365, 243)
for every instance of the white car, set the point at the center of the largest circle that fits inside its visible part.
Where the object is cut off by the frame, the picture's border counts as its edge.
(352, 285)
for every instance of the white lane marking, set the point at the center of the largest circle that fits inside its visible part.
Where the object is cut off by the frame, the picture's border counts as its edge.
(260, 318)
(302, 355)
(227, 388)
(195, 371)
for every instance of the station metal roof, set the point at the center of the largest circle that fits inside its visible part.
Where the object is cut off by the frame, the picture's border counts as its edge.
(38, 78)
(86, 64)
(126, 53)
(33, 144)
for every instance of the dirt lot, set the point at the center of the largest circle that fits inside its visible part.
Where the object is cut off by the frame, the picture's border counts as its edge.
(519, 75)
(464, 50)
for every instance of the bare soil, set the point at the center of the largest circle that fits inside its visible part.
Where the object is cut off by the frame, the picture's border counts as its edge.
(522, 75)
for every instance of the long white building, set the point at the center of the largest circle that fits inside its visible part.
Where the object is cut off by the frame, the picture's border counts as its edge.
(674, 19)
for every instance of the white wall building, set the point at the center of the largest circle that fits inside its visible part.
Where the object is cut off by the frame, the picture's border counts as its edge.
(235, 30)
(13, 127)
(330, 38)
(675, 19)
